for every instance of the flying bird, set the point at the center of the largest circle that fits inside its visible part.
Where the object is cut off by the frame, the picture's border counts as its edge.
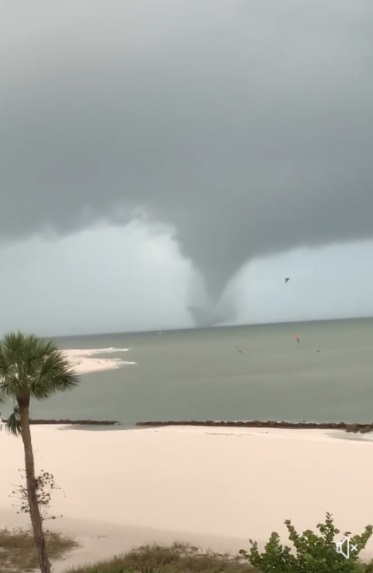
(239, 350)
(287, 280)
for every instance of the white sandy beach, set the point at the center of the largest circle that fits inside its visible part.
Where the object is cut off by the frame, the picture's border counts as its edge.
(214, 487)
(84, 361)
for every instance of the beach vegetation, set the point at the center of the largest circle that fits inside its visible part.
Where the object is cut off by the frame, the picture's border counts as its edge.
(312, 552)
(177, 558)
(45, 485)
(32, 368)
(18, 553)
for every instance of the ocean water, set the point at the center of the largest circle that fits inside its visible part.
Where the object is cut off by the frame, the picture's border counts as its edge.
(201, 374)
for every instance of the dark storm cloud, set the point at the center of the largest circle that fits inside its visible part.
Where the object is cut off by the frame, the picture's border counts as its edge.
(247, 125)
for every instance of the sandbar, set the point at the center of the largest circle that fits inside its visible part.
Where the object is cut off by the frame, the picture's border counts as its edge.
(85, 361)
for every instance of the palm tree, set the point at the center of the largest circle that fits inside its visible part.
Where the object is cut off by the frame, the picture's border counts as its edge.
(31, 367)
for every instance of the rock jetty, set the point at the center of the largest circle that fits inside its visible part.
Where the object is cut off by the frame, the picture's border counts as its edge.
(352, 427)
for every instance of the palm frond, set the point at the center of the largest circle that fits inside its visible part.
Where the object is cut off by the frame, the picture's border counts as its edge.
(13, 423)
(33, 366)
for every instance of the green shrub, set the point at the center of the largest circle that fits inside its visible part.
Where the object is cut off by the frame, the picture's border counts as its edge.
(312, 552)
(129, 570)
(18, 553)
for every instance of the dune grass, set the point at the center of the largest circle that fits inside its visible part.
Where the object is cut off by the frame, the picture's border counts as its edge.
(177, 558)
(18, 553)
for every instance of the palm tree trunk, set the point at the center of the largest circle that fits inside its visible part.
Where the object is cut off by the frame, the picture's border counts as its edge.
(36, 520)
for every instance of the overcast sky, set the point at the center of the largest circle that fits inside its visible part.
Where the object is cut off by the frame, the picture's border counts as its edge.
(164, 164)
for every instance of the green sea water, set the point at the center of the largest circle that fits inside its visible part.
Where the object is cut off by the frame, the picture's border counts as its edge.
(228, 373)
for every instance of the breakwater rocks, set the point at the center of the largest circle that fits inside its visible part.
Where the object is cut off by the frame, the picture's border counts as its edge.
(76, 422)
(355, 428)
